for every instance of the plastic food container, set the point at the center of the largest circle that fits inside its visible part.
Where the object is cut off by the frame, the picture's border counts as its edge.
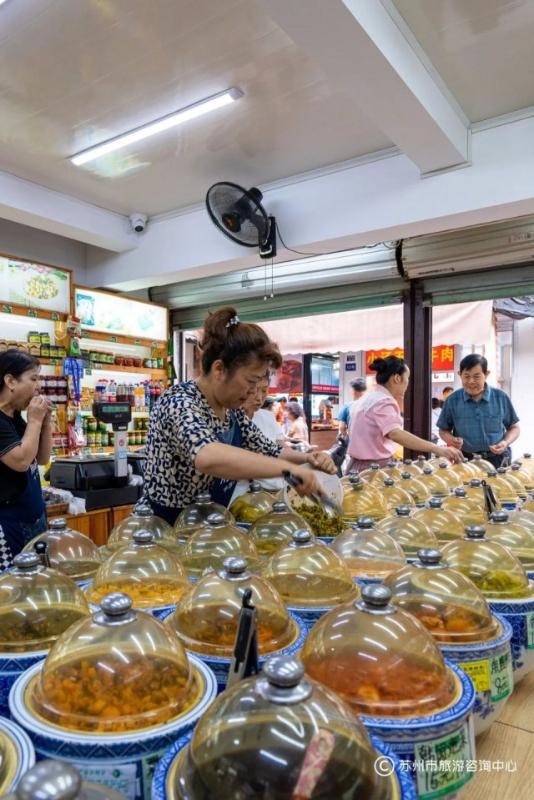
(276, 528)
(442, 522)
(435, 483)
(460, 620)
(369, 552)
(417, 490)
(253, 504)
(195, 516)
(412, 534)
(297, 740)
(67, 550)
(394, 495)
(209, 547)
(310, 577)
(362, 499)
(143, 518)
(37, 605)
(516, 537)
(132, 692)
(467, 509)
(386, 666)
(207, 620)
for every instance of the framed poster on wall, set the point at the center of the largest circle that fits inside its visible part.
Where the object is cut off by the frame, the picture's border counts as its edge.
(25, 283)
(114, 314)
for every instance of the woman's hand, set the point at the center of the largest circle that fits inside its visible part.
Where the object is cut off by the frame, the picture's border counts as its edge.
(38, 409)
(450, 453)
(308, 483)
(322, 462)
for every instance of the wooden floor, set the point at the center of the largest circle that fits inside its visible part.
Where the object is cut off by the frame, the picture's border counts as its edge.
(509, 739)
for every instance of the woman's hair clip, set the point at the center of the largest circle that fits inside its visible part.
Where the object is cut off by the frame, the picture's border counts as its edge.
(233, 321)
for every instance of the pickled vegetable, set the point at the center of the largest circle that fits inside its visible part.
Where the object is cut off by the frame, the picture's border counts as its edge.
(144, 594)
(319, 521)
(35, 628)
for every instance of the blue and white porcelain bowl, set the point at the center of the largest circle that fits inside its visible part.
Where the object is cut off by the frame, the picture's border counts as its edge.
(18, 755)
(386, 764)
(12, 665)
(520, 614)
(489, 665)
(445, 736)
(220, 666)
(123, 761)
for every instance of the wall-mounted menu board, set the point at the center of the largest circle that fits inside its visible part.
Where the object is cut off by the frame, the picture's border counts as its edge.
(114, 314)
(34, 285)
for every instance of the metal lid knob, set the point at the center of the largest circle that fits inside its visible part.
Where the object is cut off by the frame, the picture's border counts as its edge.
(283, 681)
(515, 467)
(301, 537)
(354, 479)
(477, 457)
(280, 507)
(50, 780)
(26, 561)
(389, 482)
(403, 511)
(203, 498)
(475, 483)
(421, 457)
(460, 492)
(255, 486)
(475, 532)
(443, 465)
(427, 470)
(143, 537)
(142, 511)
(406, 476)
(502, 470)
(235, 565)
(408, 461)
(375, 467)
(365, 523)
(429, 556)
(527, 455)
(58, 524)
(499, 517)
(115, 609)
(391, 464)
(491, 473)
(435, 502)
(375, 599)
(216, 519)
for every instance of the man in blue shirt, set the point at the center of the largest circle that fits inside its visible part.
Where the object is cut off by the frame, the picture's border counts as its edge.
(359, 387)
(479, 418)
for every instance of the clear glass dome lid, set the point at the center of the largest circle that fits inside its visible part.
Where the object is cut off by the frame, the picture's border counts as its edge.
(378, 658)
(417, 490)
(447, 602)
(528, 505)
(67, 550)
(393, 469)
(502, 488)
(276, 528)
(395, 495)
(36, 605)
(142, 518)
(374, 474)
(410, 533)
(524, 518)
(279, 735)
(465, 469)
(480, 466)
(208, 547)
(440, 520)
(467, 509)
(310, 574)
(206, 621)
(361, 499)
(422, 462)
(513, 535)
(491, 566)
(525, 475)
(253, 504)
(150, 574)
(513, 477)
(119, 670)
(368, 551)
(409, 466)
(195, 516)
(449, 475)
(475, 489)
(435, 483)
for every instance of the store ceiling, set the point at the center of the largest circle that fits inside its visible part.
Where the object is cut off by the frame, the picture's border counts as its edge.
(76, 72)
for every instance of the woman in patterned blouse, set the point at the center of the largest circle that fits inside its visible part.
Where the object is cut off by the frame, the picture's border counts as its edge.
(200, 438)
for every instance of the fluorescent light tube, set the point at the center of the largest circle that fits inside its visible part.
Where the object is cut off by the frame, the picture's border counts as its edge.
(158, 125)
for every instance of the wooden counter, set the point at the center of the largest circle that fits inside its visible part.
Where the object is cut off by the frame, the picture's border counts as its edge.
(98, 524)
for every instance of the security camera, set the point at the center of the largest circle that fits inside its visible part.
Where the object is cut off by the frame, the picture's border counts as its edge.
(138, 222)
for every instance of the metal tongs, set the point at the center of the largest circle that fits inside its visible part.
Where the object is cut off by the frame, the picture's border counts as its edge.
(329, 506)
(245, 660)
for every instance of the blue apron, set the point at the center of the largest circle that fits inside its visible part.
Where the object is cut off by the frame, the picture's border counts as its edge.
(221, 490)
(25, 517)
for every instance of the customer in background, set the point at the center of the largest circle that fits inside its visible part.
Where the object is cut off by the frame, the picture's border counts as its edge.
(23, 446)
(258, 409)
(479, 419)
(447, 391)
(376, 426)
(281, 412)
(359, 387)
(298, 430)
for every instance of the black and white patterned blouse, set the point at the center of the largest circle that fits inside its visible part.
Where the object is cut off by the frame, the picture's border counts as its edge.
(181, 424)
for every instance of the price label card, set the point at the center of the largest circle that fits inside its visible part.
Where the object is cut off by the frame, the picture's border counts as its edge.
(443, 765)
(122, 778)
(479, 672)
(529, 622)
(502, 678)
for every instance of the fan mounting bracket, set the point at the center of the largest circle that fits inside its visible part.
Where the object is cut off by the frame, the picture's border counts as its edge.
(268, 247)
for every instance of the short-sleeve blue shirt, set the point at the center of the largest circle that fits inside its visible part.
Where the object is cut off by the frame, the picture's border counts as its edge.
(480, 424)
(344, 415)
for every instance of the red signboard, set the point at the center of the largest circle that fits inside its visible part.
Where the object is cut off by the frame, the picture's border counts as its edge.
(288, 379)
(442, 357)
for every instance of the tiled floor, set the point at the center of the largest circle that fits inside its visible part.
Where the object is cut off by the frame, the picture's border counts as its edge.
(509, 739)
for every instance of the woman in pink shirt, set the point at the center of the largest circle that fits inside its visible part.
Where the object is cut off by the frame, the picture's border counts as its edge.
(376, 425)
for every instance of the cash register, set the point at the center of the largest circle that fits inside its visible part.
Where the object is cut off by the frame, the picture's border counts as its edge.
(101, 479)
